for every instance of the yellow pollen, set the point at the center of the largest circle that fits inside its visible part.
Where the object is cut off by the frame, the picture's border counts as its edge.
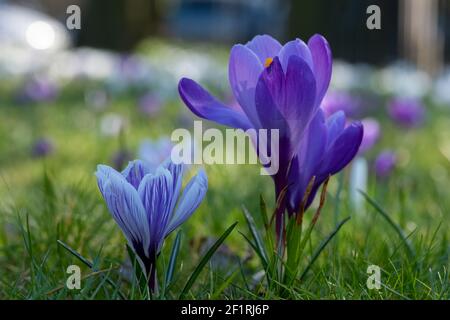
(268, 62)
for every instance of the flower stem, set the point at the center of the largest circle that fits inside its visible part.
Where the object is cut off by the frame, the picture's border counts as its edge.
(153, 279)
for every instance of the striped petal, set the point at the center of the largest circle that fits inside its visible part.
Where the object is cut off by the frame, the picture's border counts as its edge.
(176, 171)
(135, 172)
(156, 192)
(191, 198)
(126, 207)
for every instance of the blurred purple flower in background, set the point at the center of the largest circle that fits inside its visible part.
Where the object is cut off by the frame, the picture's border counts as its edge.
(371, 134)
(147, 205)
(42, 148)
(150, 104)
(129, 71)
(385, 163)
(282, 87)
(153, 152)
(407, 112)
(335, 101)
(37, 89)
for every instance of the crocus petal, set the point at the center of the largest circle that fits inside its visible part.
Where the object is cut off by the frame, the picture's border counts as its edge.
(343, 150)
(295, 48)
(207, 107)
(286, 99)
(155, 192)
(300, 97)
(176, 171)
(244, 70)
(337, 156)
(270, 98)
(322, 59)
(135, 171)
(103, 175)
(191, 198)
(264, 46)
(312, 147)
(335, 126)
(307, 161)
(125, 206)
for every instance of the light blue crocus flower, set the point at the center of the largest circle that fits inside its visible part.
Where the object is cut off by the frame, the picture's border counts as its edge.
(147, 205)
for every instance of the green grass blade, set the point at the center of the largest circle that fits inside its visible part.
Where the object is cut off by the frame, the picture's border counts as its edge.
(205, 260)
(394, 226)
(322, 246)
(293, 243)
(173, 259)
(268, 230)
(76, 254)
(255, 248)
(255, 234)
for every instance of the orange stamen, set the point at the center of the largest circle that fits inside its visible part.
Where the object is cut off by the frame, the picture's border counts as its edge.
(268, 62)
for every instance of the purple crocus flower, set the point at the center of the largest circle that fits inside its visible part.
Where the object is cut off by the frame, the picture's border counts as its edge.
(147, 205)
(407, 112)
(42, 148)
(282, 87)
(335, 101)
(371, 134)
(385, 163)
